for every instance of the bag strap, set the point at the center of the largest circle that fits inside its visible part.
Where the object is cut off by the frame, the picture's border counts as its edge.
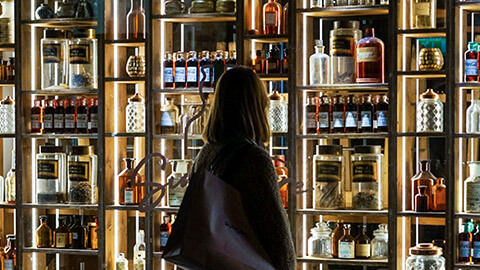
(227, 153)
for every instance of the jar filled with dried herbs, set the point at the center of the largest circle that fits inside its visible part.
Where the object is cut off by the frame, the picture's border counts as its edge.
(82, 175)
(328, 175)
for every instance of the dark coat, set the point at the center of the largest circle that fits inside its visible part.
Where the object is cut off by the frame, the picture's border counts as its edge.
(251, 172)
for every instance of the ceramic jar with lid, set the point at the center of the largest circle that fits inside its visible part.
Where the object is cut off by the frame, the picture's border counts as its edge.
(135, 114)
(429, 112)
(425, 256)
(320, 243)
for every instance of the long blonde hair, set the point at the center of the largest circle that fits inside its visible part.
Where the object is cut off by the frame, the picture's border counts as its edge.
(239, 109)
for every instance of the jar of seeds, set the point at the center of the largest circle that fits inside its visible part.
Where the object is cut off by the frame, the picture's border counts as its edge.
(82, 175)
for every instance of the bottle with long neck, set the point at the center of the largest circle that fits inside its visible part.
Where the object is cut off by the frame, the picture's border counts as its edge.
(319, 63)
(128, 193)
(136, 20)
(139, 248)
(10, 257)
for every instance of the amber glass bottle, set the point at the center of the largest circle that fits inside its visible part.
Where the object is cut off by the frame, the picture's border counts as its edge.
(282, 173)
(272, 18)
(465, 245)
(79, 234)
(439, 195)
(10, 257)
(94, 235)
(362, 244)
(44, 234)
(82, 116)
(128, 193)
(273, 61)
(423, 178)
(48, 116)
(311, 111)
(61, 235)
(93, 116)
(324, 115)
(136, 20)
(336, 235)
(370, 54)
(258, 63)
(36, 117)
(421, 200)
(346, 244)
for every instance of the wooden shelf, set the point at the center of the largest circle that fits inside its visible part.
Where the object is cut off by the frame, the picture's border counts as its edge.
(122, 207)
(416, 74)
(465, 135)
(176, 136)
(423, 33)
(61, 23)
(467, 215)
(468, 85)
(268, 38)
(7, 47)
(346, 87)
(60, 136)
(171, 209)
(422, 214)
(421, 134)
(469, 5)
(7, 205)
(181, 91)
(198, 17)
(126, 79)
(126, 42)
(347, 212)
(61, 206)
(7, 83)
(124, 134)
(467, 266)
(7, 135)
(61, 92)
(380, 135)
(69, 251)
(364, 262)
(273, 77)
(345, 11)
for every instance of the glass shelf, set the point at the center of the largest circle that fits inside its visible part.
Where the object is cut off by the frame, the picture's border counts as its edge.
(124, 134)
(126, 42)
(345, 11)
(62, 23)
(422, 74)
(61, 92)
(125, 80)
(181, 91)
(60, 136)
(422, 214)
(273, 77)
(422, 33)
(198, 17)
(421, 134)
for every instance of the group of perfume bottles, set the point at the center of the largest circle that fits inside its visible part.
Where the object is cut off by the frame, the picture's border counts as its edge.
(7, 69)
(275, 61)
(349, 114)
(428, 191)
(185, 70)
(469, 243)
(69, 116)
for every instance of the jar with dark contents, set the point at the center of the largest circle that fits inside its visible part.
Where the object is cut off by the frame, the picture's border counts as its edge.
(83, 59)
(328, 175)
(82, 175)
(51, 178)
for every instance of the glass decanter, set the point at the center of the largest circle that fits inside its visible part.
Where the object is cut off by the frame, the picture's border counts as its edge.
(278, 113)
(320, 243)
(135, 114)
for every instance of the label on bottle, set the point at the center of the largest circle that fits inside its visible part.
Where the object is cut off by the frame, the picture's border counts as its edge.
(191, 74)
(207, 74)
(180, 75)
(51, 53)
(323, 119)
(8, 264)
(270, 19)
(75, 236)
(476, 249)
(346, 250)
(366, 119)
(351, 119)
(257, 68)
(311, 121)
(47, 169)
(61, 240)
(167, 119)
(382, 119)
(464, 249)
(472, 198)
(82, 120)
(58, 120)
(47, 121)
(175, 195)
(128, 196)
(367, 54)
(168, 75)
(121, 265)
(93, 121)
(342, 45)
(78, 170)
(69, 120)
(364, 171)
(35, 120)
(362, 250)
(79, 54)
(422, 8)
(338, 121)
(136, 252)
(471, 67)
(163, 238)
(328, 171)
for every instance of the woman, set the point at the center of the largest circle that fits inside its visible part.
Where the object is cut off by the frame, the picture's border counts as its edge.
(239, 114)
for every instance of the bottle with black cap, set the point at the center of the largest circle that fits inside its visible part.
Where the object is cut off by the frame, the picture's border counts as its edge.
(328, 176)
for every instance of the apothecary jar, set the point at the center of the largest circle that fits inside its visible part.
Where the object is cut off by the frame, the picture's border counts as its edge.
(320, 243)
(380, 242)
(429, 112)
(425, 256)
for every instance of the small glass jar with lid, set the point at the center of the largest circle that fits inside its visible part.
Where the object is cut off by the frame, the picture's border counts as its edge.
(472, 188)
(380, 242)
(51, 174)
(7, 115)
(278, 112)
(425, 256)
(429, 112)
(82, 175)
(83, 59)
(135, 114)
(328, 176)
(54, 59)
(320, 243)
(366, 172)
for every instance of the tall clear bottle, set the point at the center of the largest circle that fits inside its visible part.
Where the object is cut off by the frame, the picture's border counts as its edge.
(136, 20)
(319, 65)
(10, 182)
(83, 59)
(139, 248)
(473, 117)
(135, 114)
(472, 188)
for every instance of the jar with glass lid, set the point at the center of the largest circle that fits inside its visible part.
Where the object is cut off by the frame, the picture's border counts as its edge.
(328, 175)
(380, 242)
(429, 112)
(83, 59)
(366, 169)
(54, 59)
(320, 243)
(51, 174)
(343, 40)
(82, 175)
(425, 256)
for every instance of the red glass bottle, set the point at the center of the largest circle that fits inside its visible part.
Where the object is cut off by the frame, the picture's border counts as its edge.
(59, 117)
(136, 20)
(36, 117)
(48, 116)
(82, 116)
(465, 245)
(370, 59)
(471, 63)
(272, 18)
(93, 116)
(71, 116)
(258, 63)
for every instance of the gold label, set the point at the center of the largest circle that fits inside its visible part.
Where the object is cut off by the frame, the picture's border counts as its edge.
(79, 54)
(47, 169)
(362, 250)
(78, 170)
(367, 54)
(328, 171)
(364, 171)
(342, 45)
(422, 9)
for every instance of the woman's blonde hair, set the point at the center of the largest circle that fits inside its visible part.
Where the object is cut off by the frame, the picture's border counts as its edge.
(239, 109)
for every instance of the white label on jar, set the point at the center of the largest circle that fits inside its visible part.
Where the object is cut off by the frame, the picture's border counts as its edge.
(351, 119)
(338, 120)
(362, 250)
(465, 249)
(346, 250)
(82, 121)
(270, 18)
(471, 67)
(128, 196)
(69, 120)
(191, 74)
(311, 120)
(168, 75)
(60, 240)
(473, 197)
(8, 264)
(367, 54)
(382, 118)
(366, 119)
(323, 119)
(180, 74)
(422, 9)
(48, 121)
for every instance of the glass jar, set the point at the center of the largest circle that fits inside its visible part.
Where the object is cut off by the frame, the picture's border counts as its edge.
(473, 117)
(177, 189)
(319, 65)
(366, 169)
(136, 66)
(328, 174)
(83, 59)
(425, 256)
(54, 59)
(343, 40)
(423, 14)
(135, 114)
(380, 242)
(10, 181)
(429, 112)
(430, 59)
(320, 243)
(82, 175)
(7, 115)
(472, 188)
(169, 117)
(121, 263)
(51, 174)
(278, 113)
(43, 11)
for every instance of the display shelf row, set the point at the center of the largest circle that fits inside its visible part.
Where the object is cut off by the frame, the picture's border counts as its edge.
(345, 11)
(353, 262)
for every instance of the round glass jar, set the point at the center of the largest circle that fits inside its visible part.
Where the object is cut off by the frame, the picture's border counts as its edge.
(380, 242)
(54, 59)
(328, 176)
(430, 59)
(135, 67)
(83, 59)
(429, 112)
(51, 174)
(320, 243)
(366, 174)
(425, 256)
(82, 175)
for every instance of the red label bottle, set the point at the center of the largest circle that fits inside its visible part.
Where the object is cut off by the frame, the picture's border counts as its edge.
(36, 117)
(370, 63)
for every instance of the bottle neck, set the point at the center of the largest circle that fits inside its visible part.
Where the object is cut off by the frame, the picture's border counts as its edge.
(369, 32)
(136, 4)
(129, 164)
(425, 166)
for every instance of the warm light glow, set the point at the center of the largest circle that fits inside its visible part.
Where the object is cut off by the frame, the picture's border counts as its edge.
(305, 56)
(162, 50)
(404, 242)
(115, 24)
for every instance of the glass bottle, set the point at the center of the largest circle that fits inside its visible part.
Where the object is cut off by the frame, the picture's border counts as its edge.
(65, 9)
(351, 115)
(319, 65)
(44, 234)
(258, 63)
(11, 69)
(366, 114)
(425, 256)
(423, 14)
(421, 200)
(343, 37)
(324, 115)
(285, 19)
(169, 117)
(476, 245)
(139, 248)
(139, 263)
(320, 243)
(370, 58)
(82, 175)
(59, 117)
(439, 195)
(311, 110)
(61, 235)
(10, 253)
(168, 70)
(82, 116)
(208, 71)
(7, 115)
(70, 116)
(94, 235)
(218, 66)
(36, 115)
(473, 117)
(51, 174)
(282, 173)
(79, 234)
(192, 70)
(278, 112)
(362, 244)
(273, 61)
(135, 114)
(180, 71)
(336, 236)
(465, 245)
(380, 242)
(121, 263)
(93, 116)
(54, 59)
(83, 59)
(423, 178)
(471, 63)
(2, 71)
(128, 193)
(48, 116)
(429, 112)
(346, 244)
(231, 61)
(328, 173)
(43, 11)
(136, 20)
(284, 64)
(338, 115)
(10, 181)
(472, 188)
(272, 18)
(177, 189)
(164, 232)
(83, 10)
(380, 121)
